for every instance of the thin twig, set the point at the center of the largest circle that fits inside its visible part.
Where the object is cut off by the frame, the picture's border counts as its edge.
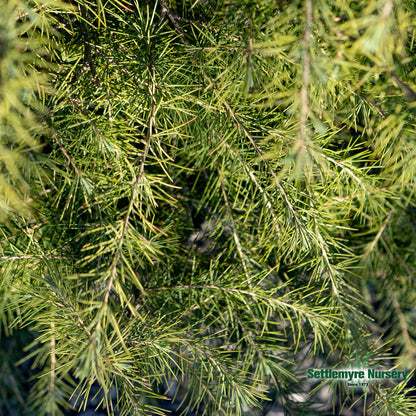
(323, 250)
(34, 10)
(173, 18)
(32, 257)
(408, 92)
(61, 146)
(235, 235)
(251, 293)
(53, 358)
(70, 160)
(260, 154)
(347, 170)
(254, 179)
(380, 232)
(304, 107)
(88, 61)
(74, 311)
(403, 325)
(113, 270)
(16, 389)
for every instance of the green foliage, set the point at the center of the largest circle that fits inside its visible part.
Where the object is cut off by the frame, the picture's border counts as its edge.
(212, 194)
(22, 81)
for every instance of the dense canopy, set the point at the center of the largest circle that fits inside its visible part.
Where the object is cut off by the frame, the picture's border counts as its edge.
(201, 200)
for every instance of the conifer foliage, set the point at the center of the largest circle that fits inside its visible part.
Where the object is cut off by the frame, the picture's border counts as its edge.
(201, 199)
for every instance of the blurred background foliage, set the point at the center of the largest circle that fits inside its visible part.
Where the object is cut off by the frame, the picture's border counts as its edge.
(200, 200)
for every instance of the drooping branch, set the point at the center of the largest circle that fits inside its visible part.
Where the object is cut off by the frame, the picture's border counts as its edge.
(113, 270)
(304, 106)
(234, 228)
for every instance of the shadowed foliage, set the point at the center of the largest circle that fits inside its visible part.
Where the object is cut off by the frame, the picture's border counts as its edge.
(200, 200)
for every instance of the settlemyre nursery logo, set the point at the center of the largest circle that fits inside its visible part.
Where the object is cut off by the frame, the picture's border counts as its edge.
(357, 376)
